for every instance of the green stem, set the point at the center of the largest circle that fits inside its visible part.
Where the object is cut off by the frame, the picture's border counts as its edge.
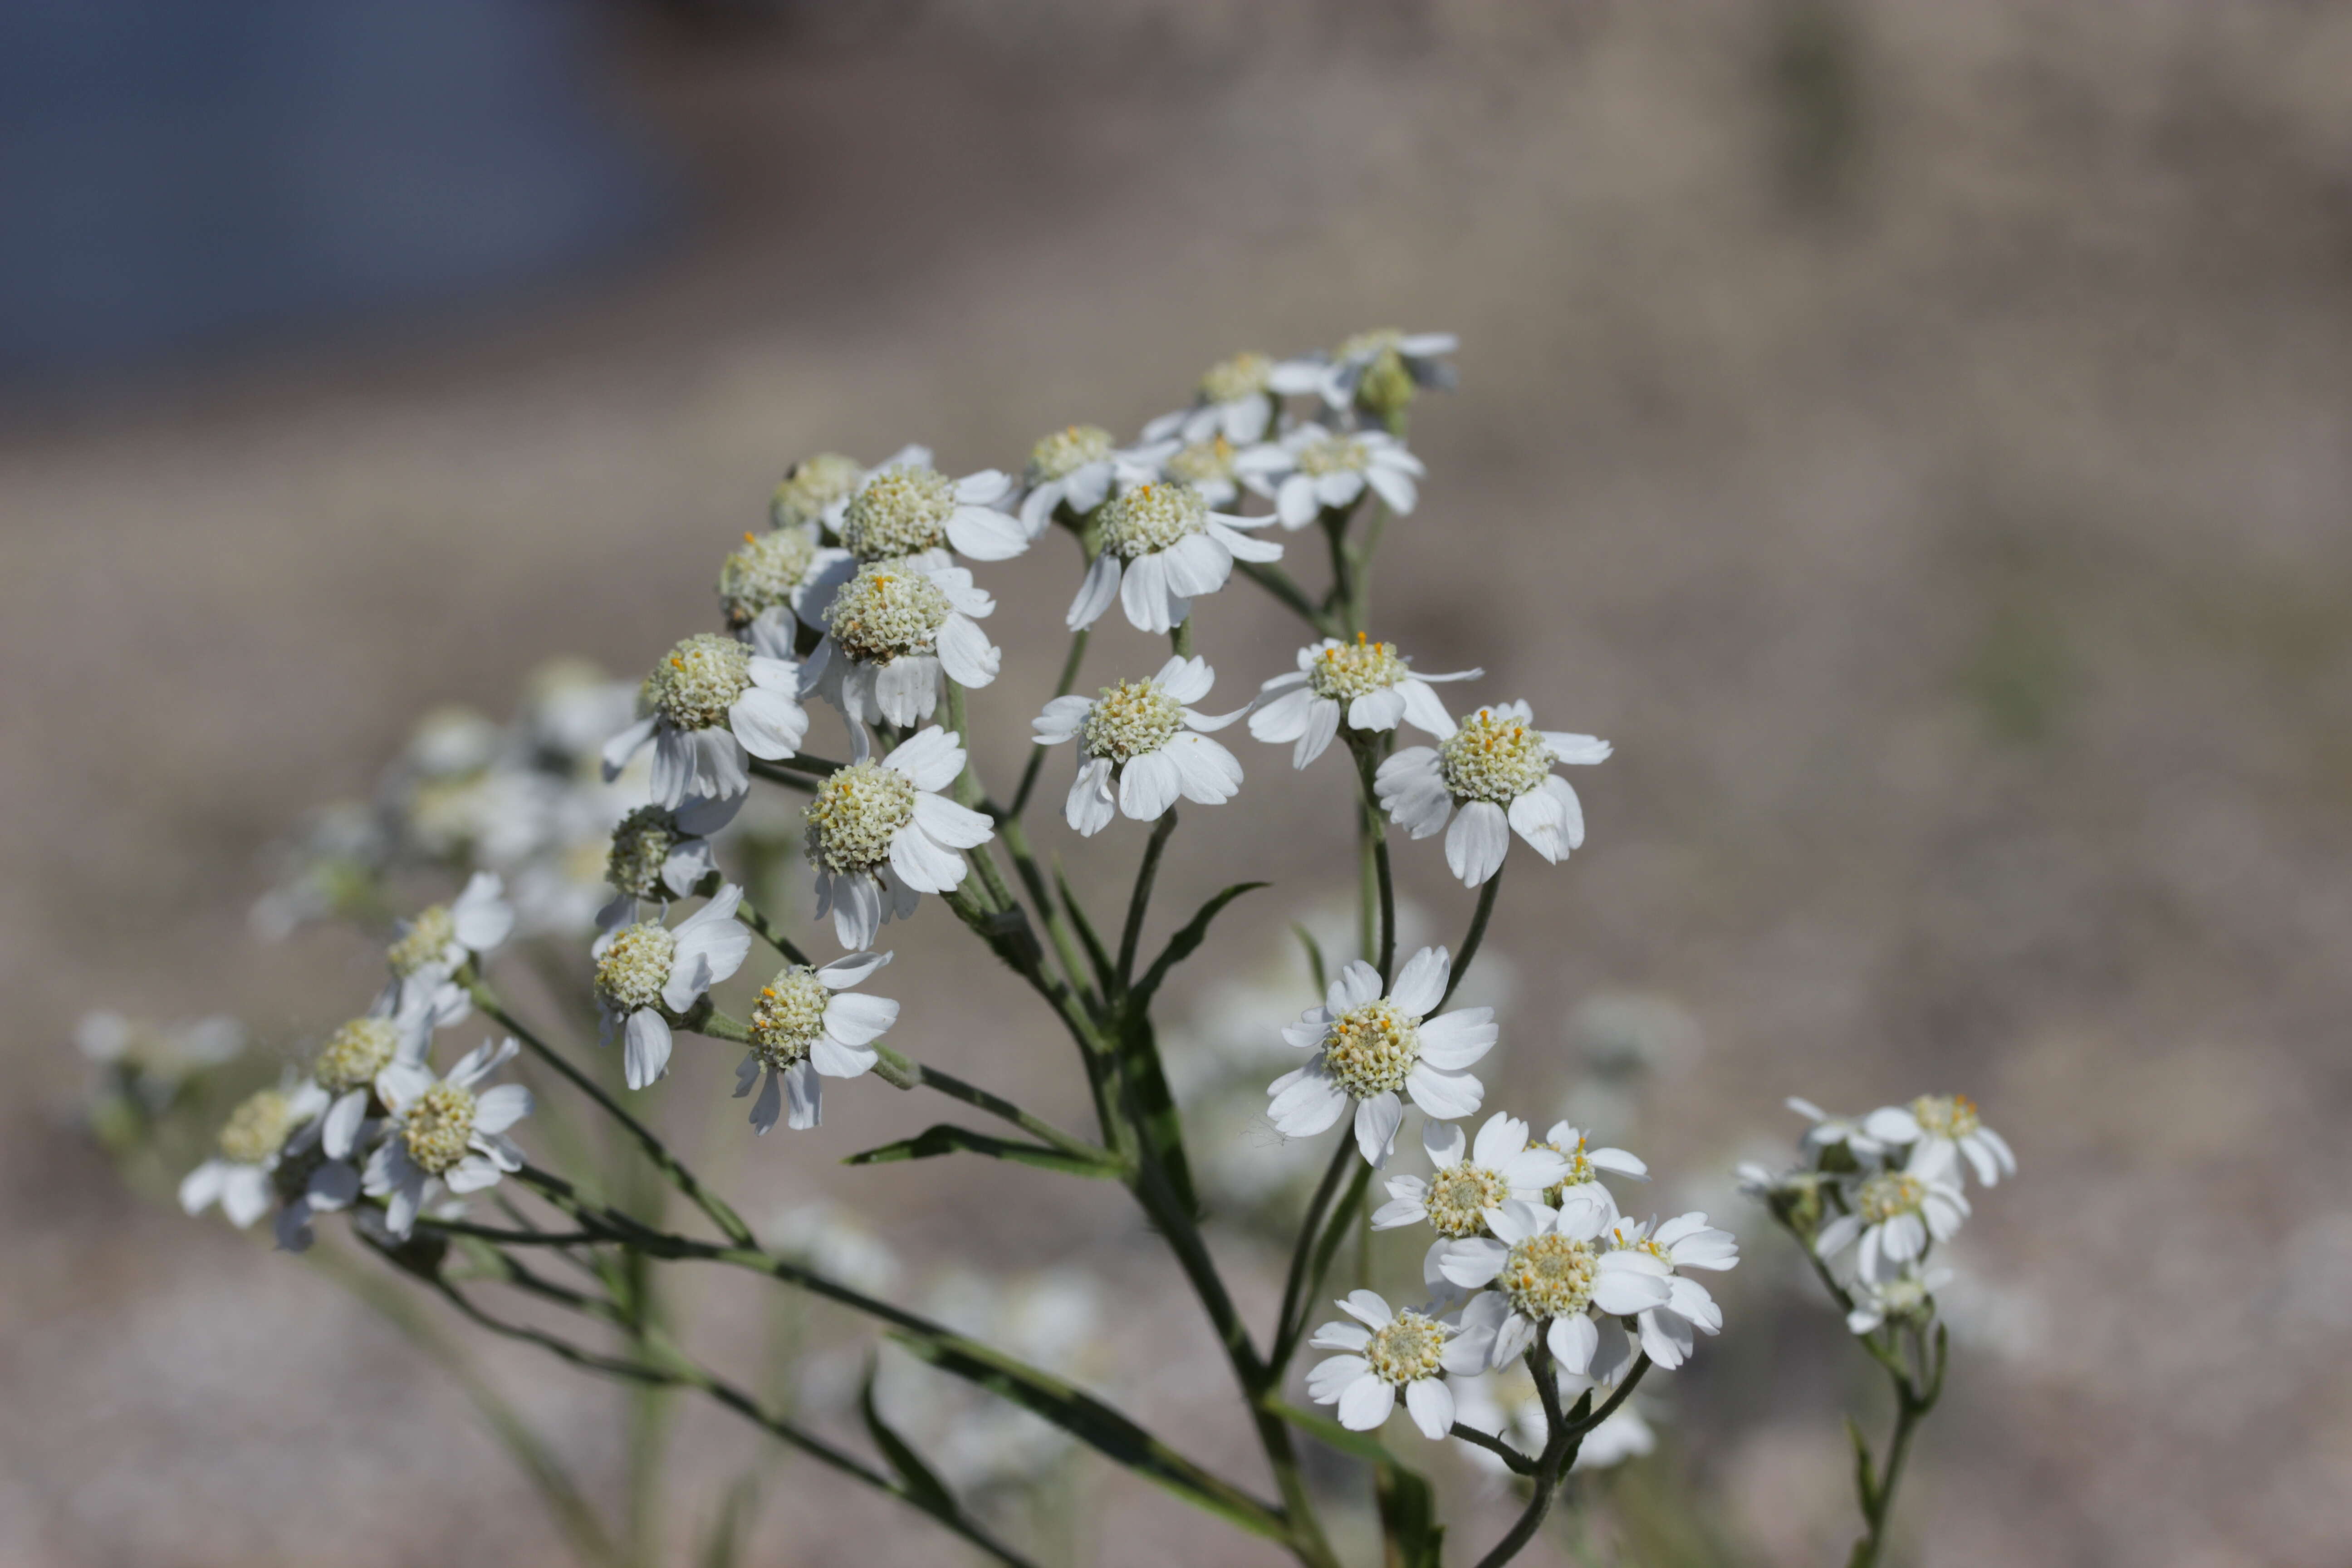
(728, 1222)
(767, 932)
(1376, 879)
(1180, 639)
(1477, 934)
(1140, 903)
(1293, 1307)
(903, 1072)
(1285, 589)
(1037, 754)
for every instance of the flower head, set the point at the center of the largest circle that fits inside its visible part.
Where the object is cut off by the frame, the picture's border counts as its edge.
(1490, 776)
(912, 509)
(1161, 549)
(658, 855)
(880, 835)
(1144, 736)
(1582, 1179)
(777, 581)
(650, 975)
(446, 1132)
(1069, 473)
(1379, 372)
(1907, 1294)
(1313, 470)
(1895, 1215)
(713, 700)
(1469, 1178)
(1546, 1270)
(1384, 1352)
(806, 1027)
(1686, 1241)
(1371, 1048)
(891, 630)
(816, 489)
(268, 1149)
(1233, 399)
(1367, 686)
(440, 940)
(1938, 1130)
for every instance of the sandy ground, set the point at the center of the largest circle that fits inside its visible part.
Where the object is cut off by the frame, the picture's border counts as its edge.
(1916, 435)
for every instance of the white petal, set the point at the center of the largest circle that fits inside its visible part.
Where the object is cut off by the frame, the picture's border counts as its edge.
(1421, 982)
(1572, 1340)
(905, 691)
(805, 1090)
(1431, 1406)
(1452, 1041)
(965, 652)
(1148, 786)
(1475, 844)
(770, 1103)
(1307, 1103)
(1206, 772)
(855, 1020)
(1355, 985)
(1284, 718)
(856, 909)
(1377, 710)
(495, 1109)
(1328, 1379)
(625, 745)
(1395, 487)
(769, 725)
(923, 864)
(1473, 1262)
(1499, 1139)
(986, 535)
(1421, 707)
(1096, 594)
(1144, 592)
(831, 1059)
(1448, 1096)
(1377, 1121)
(1441, 1141)
(1369, 1307)
(1089, 809)
(1366, 1403)
(647, 1054)
(930, 759)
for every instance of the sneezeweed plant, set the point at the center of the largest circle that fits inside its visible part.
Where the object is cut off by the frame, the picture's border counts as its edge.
(830, 696)
(1874, 1200)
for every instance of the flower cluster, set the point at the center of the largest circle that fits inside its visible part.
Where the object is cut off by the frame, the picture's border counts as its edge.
(1879, 1194)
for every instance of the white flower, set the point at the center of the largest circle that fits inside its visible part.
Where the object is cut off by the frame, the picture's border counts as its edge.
(1828, 1130)
(1938, 1129)
(257, 1136)
(352, 1067)
(1145, 734)
(1235, 400)
(880, 835)
(806, 1025)
(911, 508)
(1312, 470)
(1368, 1047)
(891, 629)
(817, 489)
(1549, 1269)
(1380, 369)
(1497, 769)
(714, 699)
(1161, 549)
(1910, 1293)
(1207, 465)
(1470, 1178)
(1686, 1241)
(1582, 1179)
(441, 941)
(648, 974)
(777, 583)
(444, 1132)
(1895, 1214)
(1070, 468)
(1366, 684)
(1387, 1350)
(658, 855)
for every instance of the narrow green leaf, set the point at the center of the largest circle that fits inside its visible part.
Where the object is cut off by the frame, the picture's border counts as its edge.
(1153, 1105)
(1182, 945)
(1864, 1479)
(923, 1487)
(1409, 1529)
(722, 1545)
(1315, 967)
(1099, 1427)
(1106, 972)
(1331, 1434)
(945, 1138)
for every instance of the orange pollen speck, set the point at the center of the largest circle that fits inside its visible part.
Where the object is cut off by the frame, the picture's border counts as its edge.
(750, 537)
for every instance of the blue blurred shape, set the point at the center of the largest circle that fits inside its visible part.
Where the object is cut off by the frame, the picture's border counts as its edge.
(178, 173)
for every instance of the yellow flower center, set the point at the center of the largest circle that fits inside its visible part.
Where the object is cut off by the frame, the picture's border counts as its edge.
(1549, 1276)
(1371, 1048)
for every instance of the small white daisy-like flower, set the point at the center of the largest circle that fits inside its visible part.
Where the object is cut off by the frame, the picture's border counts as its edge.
(817, 490)
(658, 855)
(1370, 1048)
(446, 1132)
(351, 1070)
(1145, 735)
(1585, 1163)
(1668, 1331)
(1470, 1178)
(1828, 1130)
(1366, 684)
(1909, 1294)
(1207, 465)
(778, 582)
(649, 974)
(1161, 549)
(891, 630)
(1235, 399)
(1312, 470)
(807, 1027)
(1938, 1129)
(1378, 370)
(1548, 1269)
(713, 700)
(1384, 1351)
(1895, 1215)
(912, 509)
(1496, 768)
(1070, 468)
(880, 835)
(441, 941)
(263, 1129)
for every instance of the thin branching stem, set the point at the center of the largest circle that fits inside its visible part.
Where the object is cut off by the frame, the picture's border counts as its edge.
(1139, 903)
(1477, 934)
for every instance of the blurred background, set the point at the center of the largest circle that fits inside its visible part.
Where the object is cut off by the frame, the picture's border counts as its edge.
(1918, 434)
